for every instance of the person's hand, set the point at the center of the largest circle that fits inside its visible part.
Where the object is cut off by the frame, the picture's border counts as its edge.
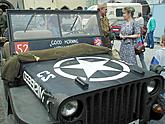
(3, 39)
(122, 36)
(110, 27)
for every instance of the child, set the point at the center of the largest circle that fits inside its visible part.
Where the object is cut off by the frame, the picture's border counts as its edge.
(159, 56)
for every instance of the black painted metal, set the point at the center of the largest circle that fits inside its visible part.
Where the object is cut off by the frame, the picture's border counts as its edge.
(119, 105)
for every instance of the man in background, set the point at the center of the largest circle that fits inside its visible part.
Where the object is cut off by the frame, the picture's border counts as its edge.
(102, 8)
(140, 20)
(151, 25)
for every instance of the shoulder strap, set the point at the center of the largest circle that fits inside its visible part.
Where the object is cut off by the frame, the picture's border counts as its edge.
(133, 28)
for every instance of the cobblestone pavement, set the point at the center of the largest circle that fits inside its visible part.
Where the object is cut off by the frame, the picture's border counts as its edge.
(3, 104)
(2, 114)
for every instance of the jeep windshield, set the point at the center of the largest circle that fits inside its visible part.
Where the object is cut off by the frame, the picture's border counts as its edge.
(79, 25)
(51, 25)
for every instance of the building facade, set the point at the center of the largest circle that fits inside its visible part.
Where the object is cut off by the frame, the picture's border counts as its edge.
(53, 4)
(27, 4)
(91, 2)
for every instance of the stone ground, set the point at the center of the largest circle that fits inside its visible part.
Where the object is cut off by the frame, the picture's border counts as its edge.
(3, 104)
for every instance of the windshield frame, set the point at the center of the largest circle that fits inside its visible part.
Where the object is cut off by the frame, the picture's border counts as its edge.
(32, 42)
(55, 12)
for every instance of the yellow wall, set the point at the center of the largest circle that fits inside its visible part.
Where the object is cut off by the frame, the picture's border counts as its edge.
(54, 3)
(71, 3)
(39, 3)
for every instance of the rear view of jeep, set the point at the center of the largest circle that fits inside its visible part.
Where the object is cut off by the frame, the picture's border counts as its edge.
(56, 71)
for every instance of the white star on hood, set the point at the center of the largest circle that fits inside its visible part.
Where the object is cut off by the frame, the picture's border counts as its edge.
(91, 67)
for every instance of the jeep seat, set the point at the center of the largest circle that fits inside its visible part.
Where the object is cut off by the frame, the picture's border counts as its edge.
(32, 34)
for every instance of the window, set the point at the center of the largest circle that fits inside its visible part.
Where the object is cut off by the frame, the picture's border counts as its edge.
(35, 26)
(119, 12)
(31, 26)
(79, 25)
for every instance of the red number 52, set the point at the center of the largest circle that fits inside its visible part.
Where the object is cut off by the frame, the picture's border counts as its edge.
(21, 47)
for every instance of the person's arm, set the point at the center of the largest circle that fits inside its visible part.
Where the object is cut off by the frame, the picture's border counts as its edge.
(153, 24)
(143, 21)
(2, 39)
(148, 26)
(132, 36)
(137, 32)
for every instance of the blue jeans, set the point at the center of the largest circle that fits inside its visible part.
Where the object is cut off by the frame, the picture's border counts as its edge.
(150, 39)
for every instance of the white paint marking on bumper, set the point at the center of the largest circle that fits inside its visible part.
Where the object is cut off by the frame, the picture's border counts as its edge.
(134, 122)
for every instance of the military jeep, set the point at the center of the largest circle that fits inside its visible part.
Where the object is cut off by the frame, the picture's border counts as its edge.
(56, 71)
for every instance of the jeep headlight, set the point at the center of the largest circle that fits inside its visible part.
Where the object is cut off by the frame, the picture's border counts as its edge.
(69, 108)
(151, 86)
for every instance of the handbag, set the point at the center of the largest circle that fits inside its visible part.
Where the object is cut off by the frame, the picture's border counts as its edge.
(139, 47)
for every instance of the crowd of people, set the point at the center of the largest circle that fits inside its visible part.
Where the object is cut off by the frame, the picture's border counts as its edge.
(132, 36)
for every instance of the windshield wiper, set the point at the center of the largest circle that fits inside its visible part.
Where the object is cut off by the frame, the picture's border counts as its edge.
(31, 18)
(74, 23)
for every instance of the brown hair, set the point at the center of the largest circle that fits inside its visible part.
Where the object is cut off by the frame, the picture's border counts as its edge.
(130, 10)
(162, 42)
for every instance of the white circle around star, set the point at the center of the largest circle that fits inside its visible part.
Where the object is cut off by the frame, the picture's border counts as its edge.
(91, 68)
